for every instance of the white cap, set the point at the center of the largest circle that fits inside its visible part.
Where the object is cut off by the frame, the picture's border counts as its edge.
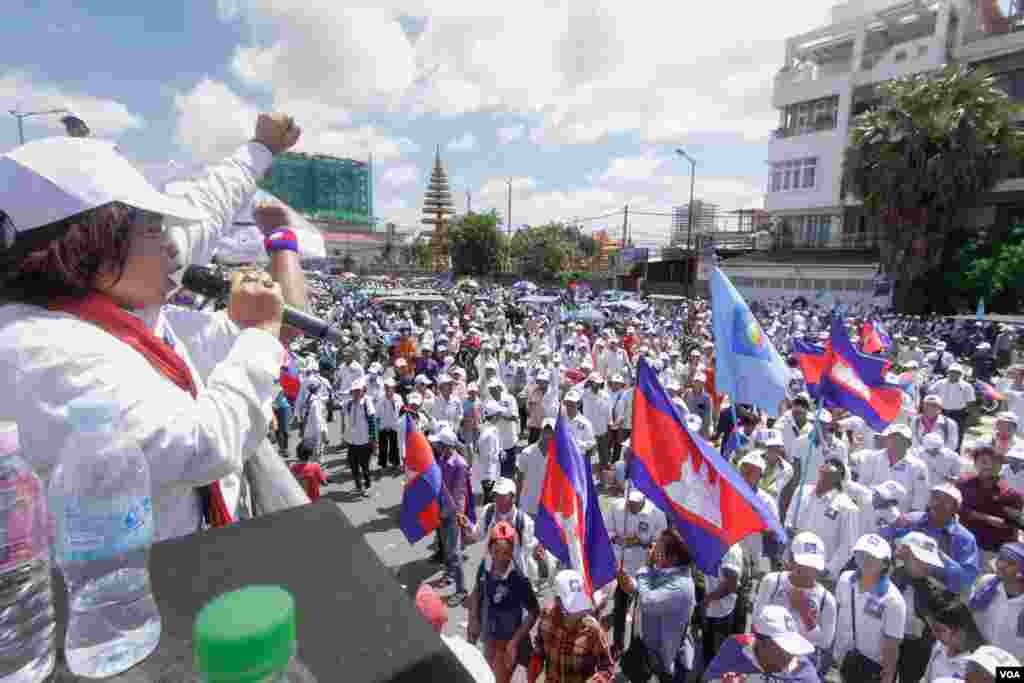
(572, 592)
(776, 622)
(923, 548)
(492, 407)
(548, 422)
(595, 377)
(544, 376)
(423, 379)
(444, 379)
(950, 490)
(694, 422)
(933, 398)
(700, 377)
(824, 416)
(874, 545)
(988, 657)
(491, 365)
(891, 491)
(956, 367)
(446, 437)
(808, 550)
(1016, 453)
(415, 398)
(400, 363)
(504, 487)
(636, 496)
(357, 384)
(911, 365)
(901, 429)
(390, 382)
(573, 396)
(753, 458)
(932, 441)
(48, 180)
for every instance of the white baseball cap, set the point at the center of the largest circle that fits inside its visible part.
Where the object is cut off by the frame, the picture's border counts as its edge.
(573, 396)
(492, 407)
(933, 398)
(636, 496)
(901, 429)
(446, 437)
(772, 437)
(988, 657)
(543, 376)
(548, 422)
(423, 379)
(808, 550)
(873, 545)
(415, 398)
(776, 622)
(694, 422)
(923, 547)
(753, 458)
(48, 180)
(617, 379)
(504, 487)
(891, 490)
(571, 591)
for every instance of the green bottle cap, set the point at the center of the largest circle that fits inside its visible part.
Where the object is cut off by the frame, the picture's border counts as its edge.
(246, 635)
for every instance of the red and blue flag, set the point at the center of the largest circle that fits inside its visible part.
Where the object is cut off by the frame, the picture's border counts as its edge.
(420, 511)
(290, 380)
(872, 339)
(569, 521)
(701, 494)
(846, 378)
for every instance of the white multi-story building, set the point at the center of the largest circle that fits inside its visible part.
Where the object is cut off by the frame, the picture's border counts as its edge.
(829, 76)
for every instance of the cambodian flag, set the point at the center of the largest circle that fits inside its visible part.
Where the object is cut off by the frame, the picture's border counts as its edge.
(290, 380)
(702, 495)
(747, 367)
(872, 339)
(420, 512)
(856, 381)
(569, 522)
(813, 360)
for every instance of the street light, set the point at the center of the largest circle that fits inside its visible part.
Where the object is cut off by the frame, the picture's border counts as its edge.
(689, 217)
(22, 115)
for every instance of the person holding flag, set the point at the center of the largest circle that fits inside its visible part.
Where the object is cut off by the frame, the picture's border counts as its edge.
(454, 493)
(774, 651)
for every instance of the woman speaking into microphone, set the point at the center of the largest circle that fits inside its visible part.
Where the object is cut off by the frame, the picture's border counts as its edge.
(85, 268)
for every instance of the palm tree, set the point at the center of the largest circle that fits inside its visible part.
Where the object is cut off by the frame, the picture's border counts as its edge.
(934, 147)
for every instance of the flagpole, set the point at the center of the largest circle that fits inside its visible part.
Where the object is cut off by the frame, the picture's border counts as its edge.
(810, 458)
(625, 513)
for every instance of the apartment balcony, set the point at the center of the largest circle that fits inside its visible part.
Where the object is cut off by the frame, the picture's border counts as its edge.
(827, 123)
(903, 59)
(810, 81)
(990, 31)
(856, 241)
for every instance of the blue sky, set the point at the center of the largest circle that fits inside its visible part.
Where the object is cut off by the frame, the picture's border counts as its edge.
(581, 104)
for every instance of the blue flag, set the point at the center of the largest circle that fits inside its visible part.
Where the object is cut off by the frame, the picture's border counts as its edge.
(747, 366)
(980, 312)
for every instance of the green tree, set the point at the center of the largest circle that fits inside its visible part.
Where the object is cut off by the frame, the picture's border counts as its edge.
(989, 266)
(934, 146)
(539, 250)
(417, 254)
(475, 244)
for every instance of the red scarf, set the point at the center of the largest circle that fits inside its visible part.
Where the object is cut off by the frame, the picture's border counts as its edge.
(100, 310)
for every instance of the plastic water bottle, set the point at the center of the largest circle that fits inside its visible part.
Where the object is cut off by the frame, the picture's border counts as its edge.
(26, 601)
(248, 636)
(101, 501)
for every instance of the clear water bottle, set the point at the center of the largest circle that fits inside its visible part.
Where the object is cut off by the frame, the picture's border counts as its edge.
(101, 501)
(248, 636)
(26, 601)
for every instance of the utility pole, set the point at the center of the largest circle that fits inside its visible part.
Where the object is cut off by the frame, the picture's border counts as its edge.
(508, 216)
(469, 202)
(625, 225)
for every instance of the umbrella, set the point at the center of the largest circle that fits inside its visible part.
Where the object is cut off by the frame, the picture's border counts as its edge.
(523, 284)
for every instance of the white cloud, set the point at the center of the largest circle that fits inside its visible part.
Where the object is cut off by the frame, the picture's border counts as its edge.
(212, 120)
(105, 117)
(510, 134)
(401, 176)
(466, 143)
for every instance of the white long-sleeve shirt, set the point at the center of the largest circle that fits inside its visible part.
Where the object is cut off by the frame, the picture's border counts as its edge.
(49, 359)
(622, 408)
(910, 471)
(583, 433)
(388, 411)
(833, 517)
(598, 409)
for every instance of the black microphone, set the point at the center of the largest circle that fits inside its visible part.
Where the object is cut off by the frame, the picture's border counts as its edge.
(210, 283)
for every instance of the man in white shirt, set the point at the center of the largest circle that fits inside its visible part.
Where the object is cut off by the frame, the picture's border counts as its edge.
(1013, 388)
(388, 407)
(616, 360)
(360, 420)
(621, 424)
(943, 464)
(956, 395)
(932, 421)
(720, 596)
(597, 409)
(508, 426)
(446, 407)
(752, 467)
(883, 509)
(532, 463)
(830, 513)
(582, 430)
(634, 526)
(895, 462)
(794, 424)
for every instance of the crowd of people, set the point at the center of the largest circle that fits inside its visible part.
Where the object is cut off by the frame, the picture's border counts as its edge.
(893, 537)
(903, 556)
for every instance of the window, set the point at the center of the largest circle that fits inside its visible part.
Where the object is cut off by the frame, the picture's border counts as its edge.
(814, 115)
(797, 174)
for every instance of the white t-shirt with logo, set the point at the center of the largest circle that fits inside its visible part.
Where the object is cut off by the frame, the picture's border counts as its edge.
(646, 524)
(1002, 622)
(877, 615)
(776, 589)
(732, 561)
